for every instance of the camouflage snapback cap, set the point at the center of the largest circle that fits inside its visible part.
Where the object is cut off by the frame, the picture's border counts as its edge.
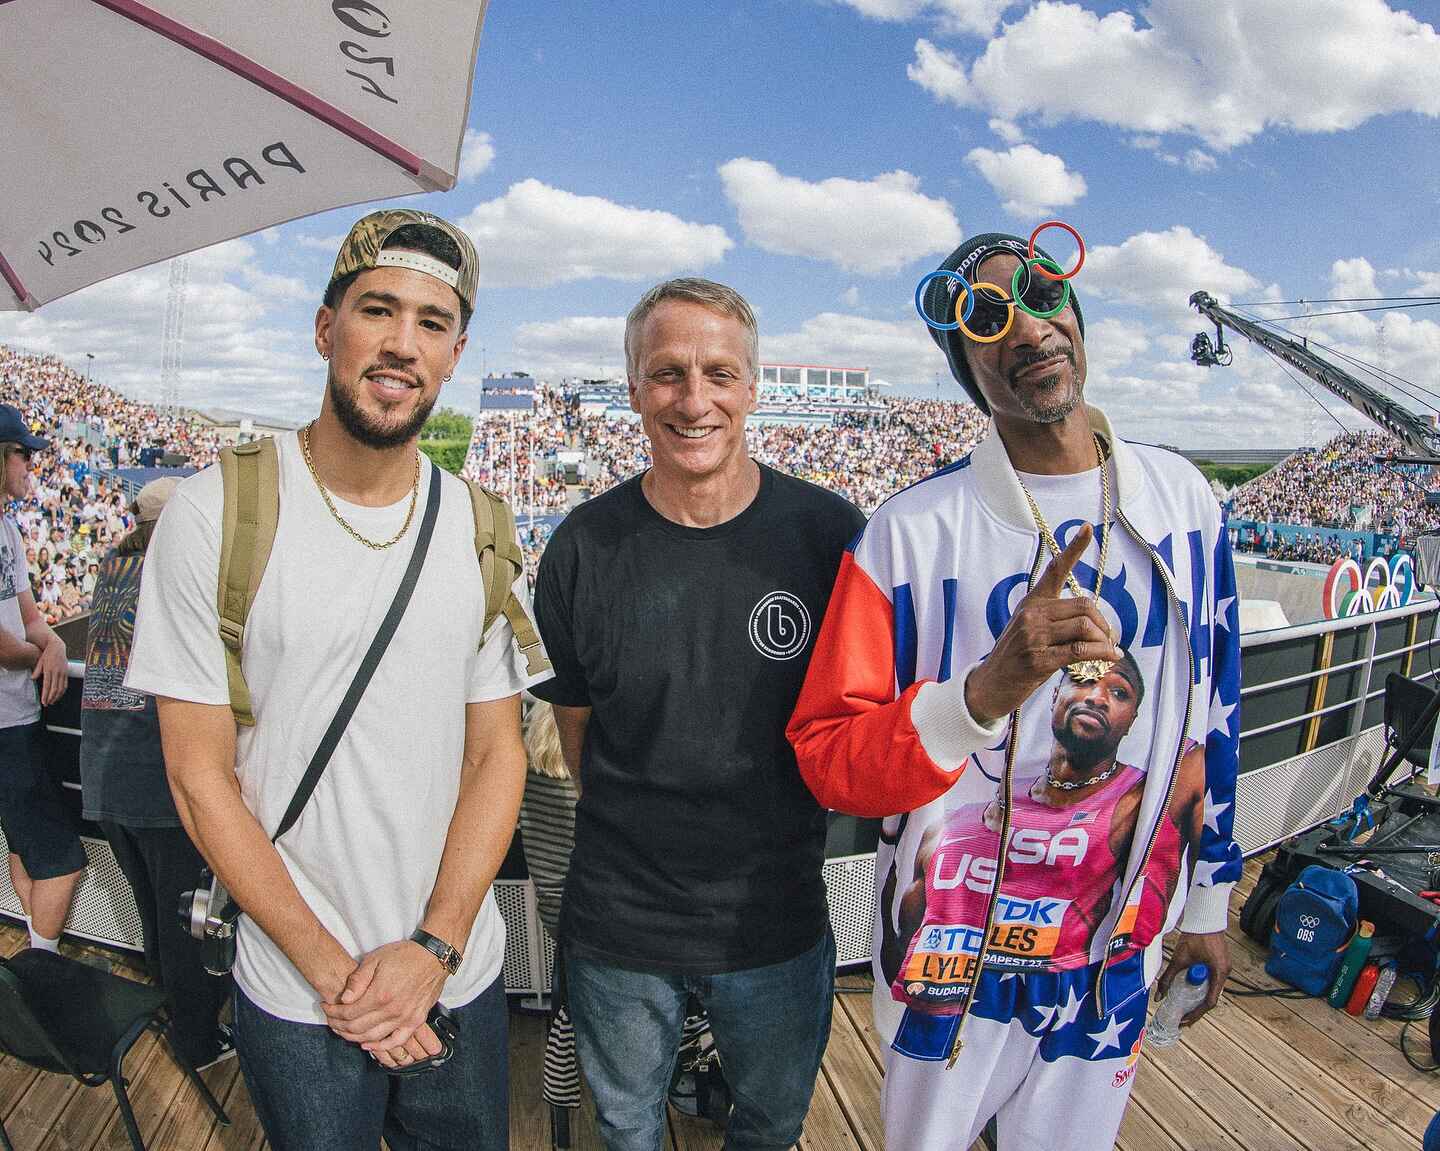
(363, 250)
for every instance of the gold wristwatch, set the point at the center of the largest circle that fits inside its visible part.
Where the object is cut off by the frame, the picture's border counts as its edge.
(449, 958)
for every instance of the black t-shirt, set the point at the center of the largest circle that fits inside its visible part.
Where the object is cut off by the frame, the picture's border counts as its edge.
(698, 847)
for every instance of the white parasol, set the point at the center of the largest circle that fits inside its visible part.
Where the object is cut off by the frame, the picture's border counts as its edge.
(132, 132)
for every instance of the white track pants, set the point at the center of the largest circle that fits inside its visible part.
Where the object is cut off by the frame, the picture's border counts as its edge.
(1037, 1058)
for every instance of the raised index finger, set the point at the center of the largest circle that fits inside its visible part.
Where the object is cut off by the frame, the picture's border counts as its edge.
(1052, 580)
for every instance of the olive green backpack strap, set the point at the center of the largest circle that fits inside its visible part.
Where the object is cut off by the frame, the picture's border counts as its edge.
(501, 563)
(250, 474)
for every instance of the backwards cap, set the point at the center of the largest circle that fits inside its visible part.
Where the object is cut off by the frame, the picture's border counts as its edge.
(363, 249)
(940, 296)
(151, 500)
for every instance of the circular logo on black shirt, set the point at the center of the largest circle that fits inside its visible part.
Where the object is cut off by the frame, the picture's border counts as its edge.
(779, 626)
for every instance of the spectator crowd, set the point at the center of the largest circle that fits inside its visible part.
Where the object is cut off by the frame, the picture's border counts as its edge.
(1344, 484)
(1320, 487)
(514, 452)
(864, 457)
(77, 511)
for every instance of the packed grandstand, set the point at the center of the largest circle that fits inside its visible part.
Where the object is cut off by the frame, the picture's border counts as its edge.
(1309, 507)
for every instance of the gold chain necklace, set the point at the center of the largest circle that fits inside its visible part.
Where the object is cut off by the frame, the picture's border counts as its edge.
(1082, 670)
(339, 519)
(1077, 784)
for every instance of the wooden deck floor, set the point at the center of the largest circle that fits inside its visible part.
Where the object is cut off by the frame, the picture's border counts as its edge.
(1259, 1075)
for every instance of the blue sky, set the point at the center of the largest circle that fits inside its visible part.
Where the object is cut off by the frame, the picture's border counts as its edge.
(821, 155)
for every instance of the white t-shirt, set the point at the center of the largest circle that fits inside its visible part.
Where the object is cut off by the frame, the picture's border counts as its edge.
(19, 704)
(366, 850)
(1133, 600)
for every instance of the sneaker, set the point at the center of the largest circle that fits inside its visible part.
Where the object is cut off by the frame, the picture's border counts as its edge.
(224, 1048)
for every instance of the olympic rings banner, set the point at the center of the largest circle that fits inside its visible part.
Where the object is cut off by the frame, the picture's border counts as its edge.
(1383, 584)
(1032, 266)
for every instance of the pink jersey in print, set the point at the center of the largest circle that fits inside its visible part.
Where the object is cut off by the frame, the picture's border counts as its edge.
(1057, 888)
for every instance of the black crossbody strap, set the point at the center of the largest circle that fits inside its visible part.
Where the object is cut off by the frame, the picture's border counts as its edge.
(322, 755)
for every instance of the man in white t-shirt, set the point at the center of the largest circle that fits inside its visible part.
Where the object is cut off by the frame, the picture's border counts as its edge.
(45, 853)
(377, 902)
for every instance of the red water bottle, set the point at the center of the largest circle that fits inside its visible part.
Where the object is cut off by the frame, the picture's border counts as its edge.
(1363, 989)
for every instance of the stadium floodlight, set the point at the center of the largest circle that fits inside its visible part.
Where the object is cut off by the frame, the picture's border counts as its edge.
(137, 131)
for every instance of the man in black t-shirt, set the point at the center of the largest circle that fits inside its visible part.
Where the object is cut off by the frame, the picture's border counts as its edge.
(679, 610)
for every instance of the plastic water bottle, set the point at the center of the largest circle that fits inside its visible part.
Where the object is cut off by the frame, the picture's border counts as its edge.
(1381, 993)
(1184, 996)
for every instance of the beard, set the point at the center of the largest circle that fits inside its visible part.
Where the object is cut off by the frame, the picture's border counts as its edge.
(1043, 413)
(1084, 753)
(365, 428)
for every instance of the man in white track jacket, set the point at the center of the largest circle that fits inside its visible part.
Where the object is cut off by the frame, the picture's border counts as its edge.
(965, 622)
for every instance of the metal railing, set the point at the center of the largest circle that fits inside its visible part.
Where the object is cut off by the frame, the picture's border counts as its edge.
(1358, 699)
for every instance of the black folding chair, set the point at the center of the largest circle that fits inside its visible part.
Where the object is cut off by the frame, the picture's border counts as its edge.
(62, 1016)
(1410, 711)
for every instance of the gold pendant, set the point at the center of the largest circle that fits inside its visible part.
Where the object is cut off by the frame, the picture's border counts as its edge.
(1088, 670)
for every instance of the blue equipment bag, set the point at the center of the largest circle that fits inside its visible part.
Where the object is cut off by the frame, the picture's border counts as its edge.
(1314, 920)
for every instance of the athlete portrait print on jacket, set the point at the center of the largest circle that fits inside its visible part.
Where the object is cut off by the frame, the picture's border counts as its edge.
(1071, 831)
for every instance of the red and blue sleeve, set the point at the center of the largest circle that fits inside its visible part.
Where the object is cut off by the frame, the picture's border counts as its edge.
(852, 729)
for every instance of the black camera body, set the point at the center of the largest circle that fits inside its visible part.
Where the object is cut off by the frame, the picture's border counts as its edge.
(209, 915)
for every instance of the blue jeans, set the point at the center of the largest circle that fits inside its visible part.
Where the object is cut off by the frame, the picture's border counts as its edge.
(314, 1091)
(770, 1026)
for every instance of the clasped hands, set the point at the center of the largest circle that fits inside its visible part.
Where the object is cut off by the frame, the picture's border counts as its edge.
(383, 1002)
(1047, 632)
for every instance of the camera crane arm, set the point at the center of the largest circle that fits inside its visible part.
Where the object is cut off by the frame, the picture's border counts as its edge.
(1415, 433)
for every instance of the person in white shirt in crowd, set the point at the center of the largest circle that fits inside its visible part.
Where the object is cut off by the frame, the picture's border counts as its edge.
(46, 857)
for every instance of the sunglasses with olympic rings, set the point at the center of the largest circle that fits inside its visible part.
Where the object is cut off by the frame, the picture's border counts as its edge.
(985, 313)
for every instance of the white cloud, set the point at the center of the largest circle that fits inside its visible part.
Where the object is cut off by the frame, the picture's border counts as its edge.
(1009, 132)
(1111, 344)
(536, 235)
(873, 227)
(1353, 279)
(1415, 283)
(942, 74)
(1198, 160)
(850, 297)
(477, 151)
(1159, 270)
(899, 351)
(248, 343)
(588, 346)
(1144, 405)
(593, 346)
(329, 244)
(951, 17)
(1030, 182)
(1223, 71)
(1144, 143)
(1427, 283)
(1149, 388)
(1403, 342)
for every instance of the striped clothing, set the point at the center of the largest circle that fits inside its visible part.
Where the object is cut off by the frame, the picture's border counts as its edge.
(547, 832)
(547, 829)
